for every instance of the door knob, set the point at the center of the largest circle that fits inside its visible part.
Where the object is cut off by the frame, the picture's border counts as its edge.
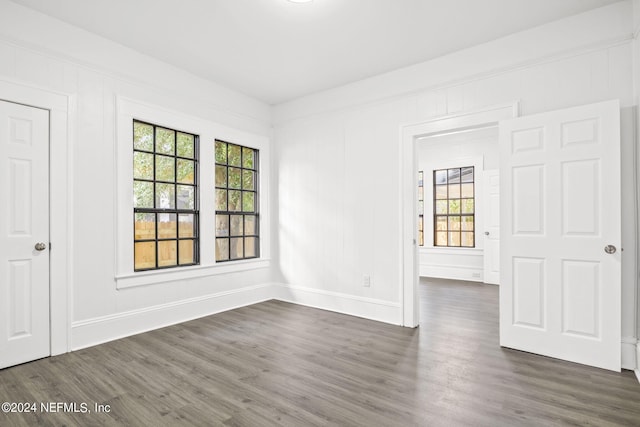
(40, 246)
(610, 249)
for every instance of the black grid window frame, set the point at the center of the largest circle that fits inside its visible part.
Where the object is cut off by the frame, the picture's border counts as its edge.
(420, 208)
(255, 213)
(156, 211)
(438, 215)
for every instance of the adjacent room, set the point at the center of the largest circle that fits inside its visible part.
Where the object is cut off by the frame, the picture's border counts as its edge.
(290, 212)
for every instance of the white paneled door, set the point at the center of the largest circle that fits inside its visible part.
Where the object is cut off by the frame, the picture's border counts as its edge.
(492, 227)
(24, 234)
(561, 233)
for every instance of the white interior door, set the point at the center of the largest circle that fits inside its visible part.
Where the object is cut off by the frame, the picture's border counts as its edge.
(491, 253)
(24, 234)
(560, 234)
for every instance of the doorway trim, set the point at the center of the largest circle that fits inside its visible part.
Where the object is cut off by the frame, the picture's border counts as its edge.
(60, 106)
(468, 120)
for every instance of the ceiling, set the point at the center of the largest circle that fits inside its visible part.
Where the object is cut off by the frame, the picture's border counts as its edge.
(275, 50)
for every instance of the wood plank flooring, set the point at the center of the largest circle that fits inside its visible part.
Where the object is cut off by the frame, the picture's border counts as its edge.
(280, 364)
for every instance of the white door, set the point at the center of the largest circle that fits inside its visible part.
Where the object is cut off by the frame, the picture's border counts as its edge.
(491, 253)
(24, 223)
(560, 279)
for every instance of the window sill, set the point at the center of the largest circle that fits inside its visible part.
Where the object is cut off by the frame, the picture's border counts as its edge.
(144, 278)
(450, 250)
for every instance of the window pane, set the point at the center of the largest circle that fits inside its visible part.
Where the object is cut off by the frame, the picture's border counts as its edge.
(454, 238)
(186, 145)
(165, 168)
(421, 238)
(441, 191)
(467, 239)
(467, 190)
(248, 158)
(142, 165)
(186, 171)
(221, 176)
(221, 152)
(167, 253)
(236, 248)
(144, 255)
(234, 155)
(421, 207)
(248, 180)
(186, 252)
(441, 223)
(142, 194)
(467, 223)
(221, 200)
(454, 206)
(249, 224)
(145, 226)
(454, 176)
(186, 197)
(236, 225)
(454, 223)
(420, 223)
(165, 196)
(420, 179)
(441, 238)
(235, 201)
(467, 174)
(250, 247)
(248, 201)
(440, 177)
(467, 206)
(142, 136)
(186, 225)
(454, 191)
(165, 141)
(222, 249)
(167, 226)
(235, 180)
(222, 225)
(441, 206)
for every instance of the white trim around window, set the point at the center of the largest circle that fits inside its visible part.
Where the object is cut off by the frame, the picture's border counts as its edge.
(127, 111)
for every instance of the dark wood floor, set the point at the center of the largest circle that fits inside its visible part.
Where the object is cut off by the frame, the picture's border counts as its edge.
(280, 364)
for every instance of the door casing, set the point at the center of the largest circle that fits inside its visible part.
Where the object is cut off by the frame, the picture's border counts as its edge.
(408, 252)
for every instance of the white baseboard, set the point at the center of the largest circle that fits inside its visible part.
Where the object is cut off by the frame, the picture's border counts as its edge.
(453, 272)
(368, 308)
(629, 349)
(87, 333)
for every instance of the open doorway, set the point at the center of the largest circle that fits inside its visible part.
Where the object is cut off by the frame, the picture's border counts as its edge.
(458, 205)
(485, 120)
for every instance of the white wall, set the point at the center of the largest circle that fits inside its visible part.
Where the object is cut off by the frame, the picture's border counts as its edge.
(43, 52)
(477, 148)
(338, 151)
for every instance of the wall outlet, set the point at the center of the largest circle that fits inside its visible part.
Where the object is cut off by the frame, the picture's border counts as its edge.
(475, 275)
(366, 281)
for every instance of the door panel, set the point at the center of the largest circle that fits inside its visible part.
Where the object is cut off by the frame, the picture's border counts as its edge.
(24, 221)
(560, 207)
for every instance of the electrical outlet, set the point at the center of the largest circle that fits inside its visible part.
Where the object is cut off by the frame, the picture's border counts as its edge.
(475, 275)
(366, 281)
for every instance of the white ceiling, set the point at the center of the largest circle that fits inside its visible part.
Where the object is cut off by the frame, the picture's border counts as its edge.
(275, 50)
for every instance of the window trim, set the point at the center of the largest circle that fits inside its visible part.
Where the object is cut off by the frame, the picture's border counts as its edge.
(126, 111)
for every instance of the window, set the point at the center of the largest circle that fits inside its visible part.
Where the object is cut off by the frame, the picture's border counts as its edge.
(165, 205)
(421, 208)
(237, 234)
(454, 207)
